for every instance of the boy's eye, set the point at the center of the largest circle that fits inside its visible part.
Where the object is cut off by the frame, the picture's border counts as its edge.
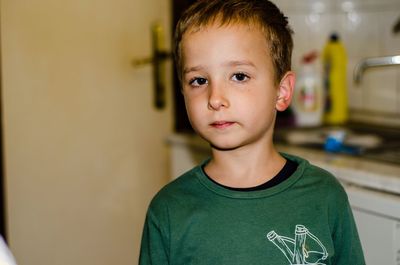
(198, 81)
(240, 77)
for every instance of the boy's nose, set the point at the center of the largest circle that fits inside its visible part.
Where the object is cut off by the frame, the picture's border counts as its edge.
(217, 98)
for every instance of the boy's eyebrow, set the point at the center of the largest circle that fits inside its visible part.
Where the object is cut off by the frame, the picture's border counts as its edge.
(229, 63)
(192, 69)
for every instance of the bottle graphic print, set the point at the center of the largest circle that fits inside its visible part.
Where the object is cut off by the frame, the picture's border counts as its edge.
(296, 250)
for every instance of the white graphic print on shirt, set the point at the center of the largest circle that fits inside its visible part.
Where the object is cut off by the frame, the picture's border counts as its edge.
(305, 248)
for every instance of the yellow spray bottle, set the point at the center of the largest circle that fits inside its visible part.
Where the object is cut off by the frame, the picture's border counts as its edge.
(334, 60)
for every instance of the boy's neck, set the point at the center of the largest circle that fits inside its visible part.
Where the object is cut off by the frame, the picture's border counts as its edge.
(244, 167)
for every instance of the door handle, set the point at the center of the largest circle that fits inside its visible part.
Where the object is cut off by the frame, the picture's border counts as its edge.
(159, 56)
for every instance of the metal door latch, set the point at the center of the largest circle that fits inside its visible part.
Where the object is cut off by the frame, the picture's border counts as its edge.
(160, 55)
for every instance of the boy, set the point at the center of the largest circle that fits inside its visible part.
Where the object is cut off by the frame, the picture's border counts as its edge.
(248, 204)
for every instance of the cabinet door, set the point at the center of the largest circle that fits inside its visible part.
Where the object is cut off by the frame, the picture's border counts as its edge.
(377, 215)
(380, 238)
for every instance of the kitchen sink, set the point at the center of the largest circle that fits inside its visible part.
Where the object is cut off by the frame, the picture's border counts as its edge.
(360, 140)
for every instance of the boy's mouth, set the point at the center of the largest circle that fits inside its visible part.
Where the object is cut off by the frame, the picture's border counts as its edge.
(221, 124)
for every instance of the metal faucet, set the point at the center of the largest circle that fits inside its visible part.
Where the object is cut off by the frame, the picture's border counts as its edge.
(374, 62)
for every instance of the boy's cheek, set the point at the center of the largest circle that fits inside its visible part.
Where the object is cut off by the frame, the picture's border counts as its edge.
(189, 106)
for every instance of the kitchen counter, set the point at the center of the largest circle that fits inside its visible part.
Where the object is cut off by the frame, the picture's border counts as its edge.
(191, 150)
(355, 170)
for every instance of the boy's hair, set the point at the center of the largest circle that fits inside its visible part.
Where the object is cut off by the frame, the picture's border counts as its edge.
(262, 13)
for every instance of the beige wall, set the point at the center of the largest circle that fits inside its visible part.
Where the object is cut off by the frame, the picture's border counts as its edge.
(84, 150)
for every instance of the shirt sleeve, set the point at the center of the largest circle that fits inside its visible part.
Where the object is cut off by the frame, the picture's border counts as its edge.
(154, 247)
(347, 243)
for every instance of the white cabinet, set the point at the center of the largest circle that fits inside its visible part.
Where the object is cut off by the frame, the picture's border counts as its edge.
(380, 238)
(377, 217)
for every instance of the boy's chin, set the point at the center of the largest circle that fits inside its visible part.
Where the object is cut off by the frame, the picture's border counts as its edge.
(224, 142)
(223, 147)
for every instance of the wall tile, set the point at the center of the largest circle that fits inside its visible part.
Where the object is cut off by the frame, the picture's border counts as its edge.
(380, 89)
(305, 6)
(362, 40)
(355, 92)
(390, 42)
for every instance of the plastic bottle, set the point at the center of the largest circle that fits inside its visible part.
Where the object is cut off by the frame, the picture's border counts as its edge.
(334, 60)
(308, 93)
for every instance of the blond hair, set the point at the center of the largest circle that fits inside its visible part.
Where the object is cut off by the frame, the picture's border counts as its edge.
(262, 13)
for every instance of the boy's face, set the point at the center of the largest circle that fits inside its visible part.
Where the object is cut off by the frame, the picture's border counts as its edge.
(228, 84)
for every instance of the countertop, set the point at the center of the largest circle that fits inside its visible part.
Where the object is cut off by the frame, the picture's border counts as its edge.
(354, 170)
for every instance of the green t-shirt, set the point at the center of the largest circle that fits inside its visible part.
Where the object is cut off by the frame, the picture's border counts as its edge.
(306, 219)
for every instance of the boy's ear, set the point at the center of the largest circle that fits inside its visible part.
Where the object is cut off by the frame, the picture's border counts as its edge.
(285, 91)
